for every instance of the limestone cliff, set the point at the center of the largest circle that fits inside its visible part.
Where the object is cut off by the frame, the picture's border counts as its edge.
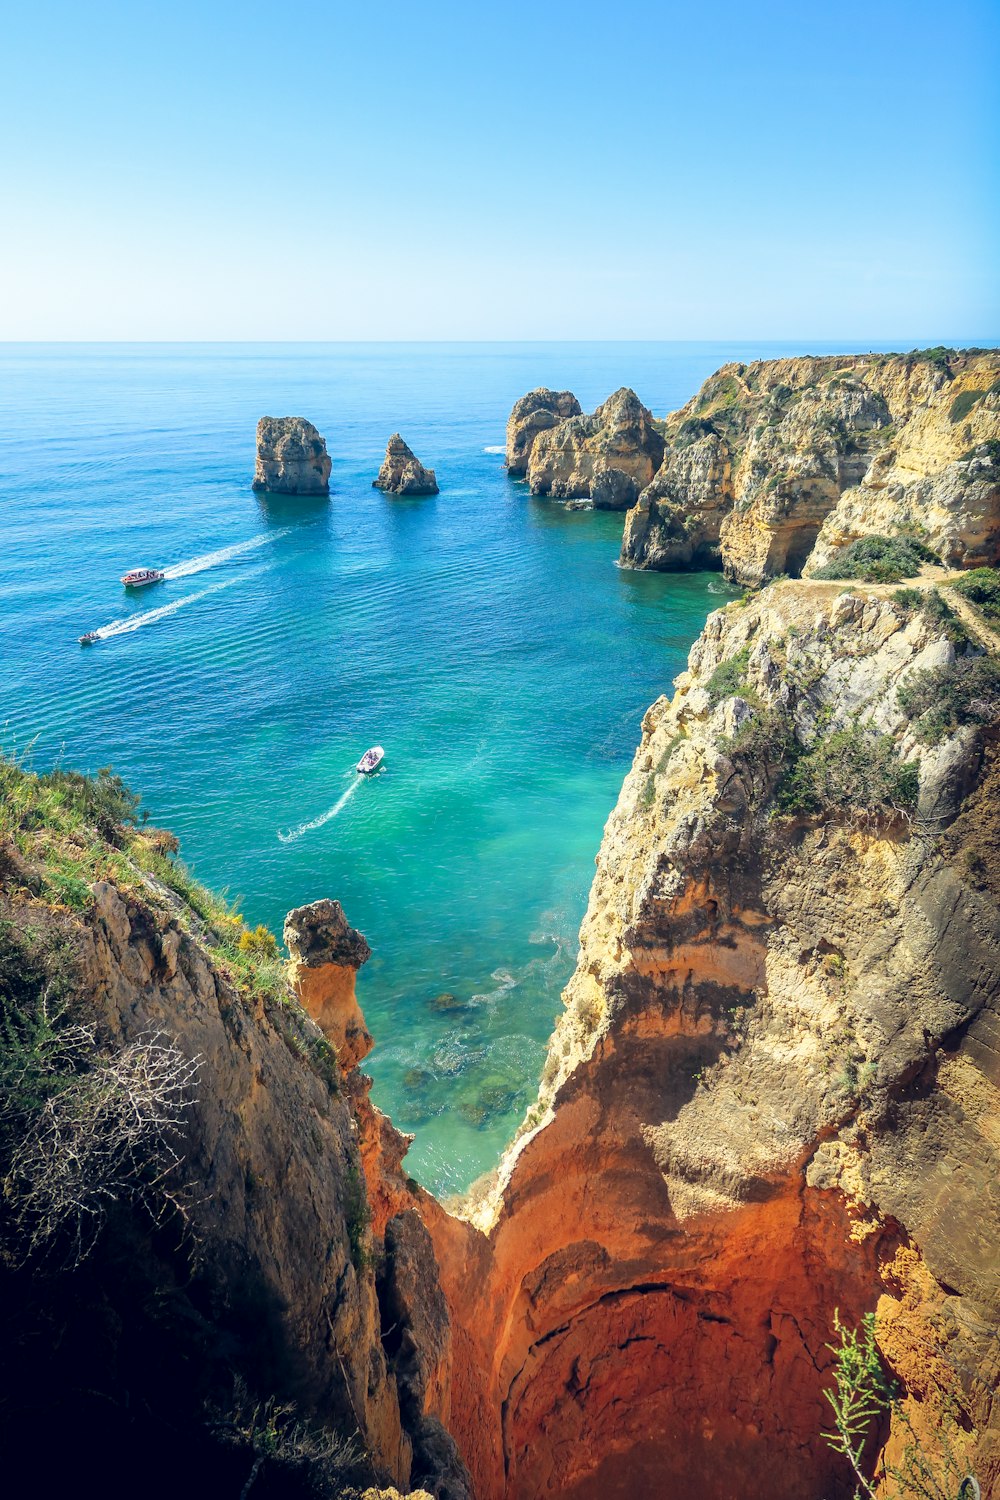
(291, 457)
(532, 414)
(773, 1092)
(774, 466)
(402, 473)
(607, 457)
(172, 1316)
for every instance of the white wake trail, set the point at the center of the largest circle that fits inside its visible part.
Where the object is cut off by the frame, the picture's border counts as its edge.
(331, 812)
(136, 622)
(223, 554)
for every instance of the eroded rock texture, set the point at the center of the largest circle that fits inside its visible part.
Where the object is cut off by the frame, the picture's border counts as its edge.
(532, 414)
(607, 457)
(291, 457)
(775, 465)
(402, 473)
(326, 953)
(773, 1093)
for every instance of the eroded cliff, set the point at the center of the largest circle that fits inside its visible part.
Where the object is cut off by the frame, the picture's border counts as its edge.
(187, 1247)
(607, 456)
(291, 457)
(773, 1091)
(774, 466)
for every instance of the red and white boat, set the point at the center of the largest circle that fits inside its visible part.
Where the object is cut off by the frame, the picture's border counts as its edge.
(139, 577)
(371, 760)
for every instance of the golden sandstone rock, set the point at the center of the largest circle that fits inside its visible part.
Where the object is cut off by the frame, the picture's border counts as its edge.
(774, 466)
(291, 457)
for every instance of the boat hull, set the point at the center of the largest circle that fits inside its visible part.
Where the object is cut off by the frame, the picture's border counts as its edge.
(141, 580)
(371, 760)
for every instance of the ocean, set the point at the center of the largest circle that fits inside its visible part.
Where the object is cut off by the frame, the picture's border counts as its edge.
(486, 639)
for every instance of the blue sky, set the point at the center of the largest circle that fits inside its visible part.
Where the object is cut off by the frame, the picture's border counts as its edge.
(549, 170)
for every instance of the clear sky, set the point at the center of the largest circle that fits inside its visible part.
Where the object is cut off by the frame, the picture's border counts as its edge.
(558, 169)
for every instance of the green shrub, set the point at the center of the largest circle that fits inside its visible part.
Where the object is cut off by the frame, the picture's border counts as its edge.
(729, 677)
(939, 700)
(879, 559)
(936, 610)
(853, 772)
(760, 751)
(982, 588)
(963, 404)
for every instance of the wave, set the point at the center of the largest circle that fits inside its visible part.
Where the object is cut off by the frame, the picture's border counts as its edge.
(496, 448)
(136, 622)
(331, 812)
(222, 555)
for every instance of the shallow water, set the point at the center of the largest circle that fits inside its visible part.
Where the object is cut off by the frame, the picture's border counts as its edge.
(486, 639)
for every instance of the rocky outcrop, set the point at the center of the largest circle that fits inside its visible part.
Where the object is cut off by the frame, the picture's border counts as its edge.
(769, 1095)
(618, 448)
(402, 473)
(532, 414)
(326, 954)
(291, 457)
(775, 465)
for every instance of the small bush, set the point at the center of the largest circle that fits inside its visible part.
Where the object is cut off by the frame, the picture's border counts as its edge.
(963, 404)
(879, 559)
(259, 942)
(939, 700)
(982, 588)
(851, 772)
(729, 677)
(760, 751)
(936, 610)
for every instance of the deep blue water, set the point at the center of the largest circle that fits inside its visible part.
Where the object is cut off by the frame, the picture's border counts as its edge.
(485, 639)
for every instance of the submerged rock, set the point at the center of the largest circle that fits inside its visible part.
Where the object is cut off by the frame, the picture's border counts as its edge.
(402, 473)
(532, 414)
(291, 457)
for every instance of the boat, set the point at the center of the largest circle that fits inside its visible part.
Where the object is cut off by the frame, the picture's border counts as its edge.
(371, 760)
(89, 638)
(138, 578)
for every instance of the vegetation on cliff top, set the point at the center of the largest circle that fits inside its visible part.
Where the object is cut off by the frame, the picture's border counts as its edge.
(879, 559)
(63, 831)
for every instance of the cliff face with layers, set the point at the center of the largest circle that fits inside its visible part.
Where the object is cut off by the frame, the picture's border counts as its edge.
(774, 466)
(773, 1092)
(240, 1287)
(291, 458)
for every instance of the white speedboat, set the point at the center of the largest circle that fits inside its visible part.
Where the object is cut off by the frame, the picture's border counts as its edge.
(371, 760)
(139, 577)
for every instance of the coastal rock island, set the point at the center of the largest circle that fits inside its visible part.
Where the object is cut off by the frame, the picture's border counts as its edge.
(775, 466)
(291, 458)
(532, 414)
(402, 473)
(608, 456)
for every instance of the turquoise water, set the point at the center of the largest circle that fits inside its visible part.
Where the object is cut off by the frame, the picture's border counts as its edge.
(485, 639)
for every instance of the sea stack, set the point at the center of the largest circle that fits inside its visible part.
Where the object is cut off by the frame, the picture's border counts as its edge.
(534, 413)
(291, 457)
(402, 473)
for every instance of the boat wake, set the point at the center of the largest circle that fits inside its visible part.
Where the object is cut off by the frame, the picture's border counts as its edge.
(496, 448)
(222, 555)
(136, 622)
(331, 812)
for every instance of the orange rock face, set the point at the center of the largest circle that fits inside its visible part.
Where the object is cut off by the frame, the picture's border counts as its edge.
(772, 1097)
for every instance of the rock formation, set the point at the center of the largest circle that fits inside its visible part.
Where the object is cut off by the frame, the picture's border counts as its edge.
(402, 473)
(532, 414)
(773, 1092)
(291, 457)
(609, 455)
(246, 1284)
(775, 465)
(326, 954)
